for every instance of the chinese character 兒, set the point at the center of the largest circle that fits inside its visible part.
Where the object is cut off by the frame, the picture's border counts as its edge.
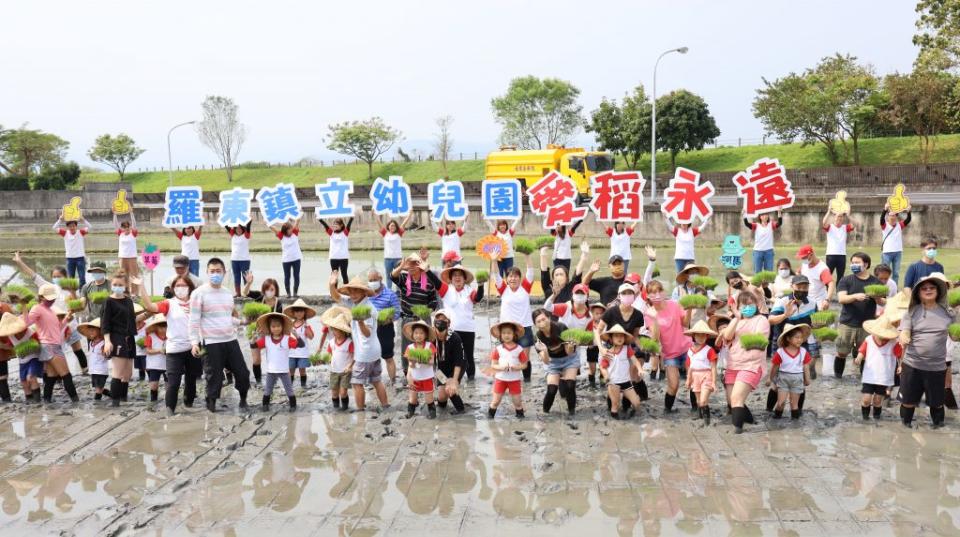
(334, 199)
(446, 200)
(390, 197)
(617, 196)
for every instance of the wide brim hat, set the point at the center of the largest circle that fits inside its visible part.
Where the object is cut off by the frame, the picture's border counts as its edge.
(11, 324)
(517, 328)
(700, 327)
(617, 329)
(408, 330)
(155, 322)
(138, 308)
(48, 291)
(447, 273)
(715, 320)
(704, 271)
(599, 305)
(791, 328)
(83, 328)
(896, 306)
(357, 283)
(328, 316)
(338, 320)
(263, 322)
(881, 328)
(311, 313)
(936, 278)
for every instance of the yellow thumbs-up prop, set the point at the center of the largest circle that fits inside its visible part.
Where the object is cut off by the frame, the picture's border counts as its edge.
(71, 211)
(898, 202)
(121, 205)
(839, 204)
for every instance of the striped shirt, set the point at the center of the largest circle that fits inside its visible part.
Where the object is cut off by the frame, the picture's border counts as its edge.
(211, 315)
(419, 295)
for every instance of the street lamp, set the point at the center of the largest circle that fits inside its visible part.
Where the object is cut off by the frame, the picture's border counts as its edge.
(653, 125)
(169, 155)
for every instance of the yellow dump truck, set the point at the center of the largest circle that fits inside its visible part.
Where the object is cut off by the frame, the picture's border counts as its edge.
(530, 165)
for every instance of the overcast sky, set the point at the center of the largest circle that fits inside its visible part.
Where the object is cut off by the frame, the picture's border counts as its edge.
(80, 69)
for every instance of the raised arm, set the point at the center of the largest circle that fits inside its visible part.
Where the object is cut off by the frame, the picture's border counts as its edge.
(746, 222)
(148, 305)
(59, 223)
(349, 223)
(651, 259)
(406, 221)
(825, 223)
(334, 294)
(582, 262)
(247, 284)
(325, 225)
(116, 223)
(133, 220)
(27, 271)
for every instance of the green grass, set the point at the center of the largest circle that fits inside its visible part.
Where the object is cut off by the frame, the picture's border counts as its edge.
(873, 152)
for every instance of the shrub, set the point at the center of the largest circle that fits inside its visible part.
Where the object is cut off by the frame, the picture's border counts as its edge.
(76, 304)
(14, 183)
(763, 277)
(524, 246)
(99, 297)
(706, 282)
(362, 313)
(69, 284)
(385, 315)
(753, 342)
(545, 240)
(482, 276)
(58, 177)
(253, 310)
(421, 356)
(877, 291)
(826, 334)
(27, 348)
(649, 346)
(421, 311)
(578, 336)
(691, 302)
(823, 318)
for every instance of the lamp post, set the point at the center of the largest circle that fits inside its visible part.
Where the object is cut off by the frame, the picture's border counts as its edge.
(169, 155)
(653, 124)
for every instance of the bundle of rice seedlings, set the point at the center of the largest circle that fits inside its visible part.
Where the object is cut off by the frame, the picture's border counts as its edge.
(320, 358)
(251, 330)
(26, 348)
(954, 331)
(826, 334)
(691, 302)
(99, 297)
(69, 284)
(823, 318)
(385, 315)
(578, 336)
(253, 310)
(953, 298)
(19, 293)
(421, 311)
(421, 356)
(763, 277)
(656, 272)
(482, 276)
(706, 282)
(649, 346)
(24, 308)
(76, 304)
(141, 342)
(753, 342)
(524, 246)
(877, 291)
(545, 240)
(362, 313)
(954, 279)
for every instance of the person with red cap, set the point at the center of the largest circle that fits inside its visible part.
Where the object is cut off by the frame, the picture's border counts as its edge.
(822, 285)
(451, 259)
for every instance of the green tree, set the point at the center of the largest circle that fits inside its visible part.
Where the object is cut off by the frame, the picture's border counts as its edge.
(623, 128)
(221, 130)
(57, 177)
(684, 123)
(537, 112)
(115, 151)
(921, 102)
(24, 151)
(366, 140)
(938, 32)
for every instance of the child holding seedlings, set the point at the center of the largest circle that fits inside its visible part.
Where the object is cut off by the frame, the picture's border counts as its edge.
(701, 368)
(275, 347)
(593, 351)
(366, 369)
(560, 359)
(155, 343)
(340, 349)
(790, 369)
(618, 359)
(99, 364)
(421, 354)
(140, 358)
(507, 360)
(879, 355)
(50, 332)
(300, 312)
(515, 302)
(15, 334)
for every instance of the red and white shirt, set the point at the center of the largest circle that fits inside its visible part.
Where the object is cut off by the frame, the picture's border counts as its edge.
(683, 247)
(73, 243)
(618, 367)
(190, 245)
(450, 242)
(239, 245)
(417, 370)
(879, 361)
(341, 354)
(508, 239)
(701, 359)
(892, 236)
(569, 317)
(562, 245)
(513, 355)
(620, 243)
(290, 246)
(15, 339)
(763, 236)
(392, 248)
(837, 238)
(178, 324)
(306, 334)
(460, 305)
(791, 363)
(128, 243)
(276, 353)
(339, 243)
(515, 304)
(97, 362)
(156, 343)
(820, 278)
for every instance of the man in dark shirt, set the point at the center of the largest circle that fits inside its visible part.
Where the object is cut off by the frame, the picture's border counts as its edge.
(607, 285)
(450, 362)
(926, 266)
(855, 308)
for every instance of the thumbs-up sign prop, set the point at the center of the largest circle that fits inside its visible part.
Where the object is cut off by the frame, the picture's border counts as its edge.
(71, 211)
(121, 205)
(898, 202)
(839, 204)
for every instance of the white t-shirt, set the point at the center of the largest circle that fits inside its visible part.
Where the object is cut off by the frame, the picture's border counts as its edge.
(880, 363)
(514, 356)
(239, 246)
(562, 245)
(178, 324)
(301, 352)
(763, 236)
(460, 305)
(366, 348)
(837, 239)
(392, 248)
(515, 305)
(276, 354)
(684, 246)
(190, 245)
(819, 276)
(73, 243)
(791, 363)
(892, 238)
(420, 371)
(340, 354)
(290, 246)
(450, 242)
(98, 363)
(507, 238)
(128, 244)
(620, 243)
(339, 244)
(619, 366)
(156, 361)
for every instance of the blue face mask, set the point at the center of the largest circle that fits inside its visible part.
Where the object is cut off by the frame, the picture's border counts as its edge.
(748, 311)
(931, 253)
(856, 269)
(117, 289)
(216, 278)
(55, 281)
(99, 276)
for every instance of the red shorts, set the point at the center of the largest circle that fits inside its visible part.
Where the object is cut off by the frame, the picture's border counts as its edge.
(501, 386)
(732, 376)
(422, 385)
(701, 379)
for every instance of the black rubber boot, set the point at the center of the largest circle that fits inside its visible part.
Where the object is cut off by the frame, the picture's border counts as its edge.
(694, 408)
(548, 398)
(154, 395)
(265, 405)
(705, 414)
(668, 402)
(641, 388)
(442, 404)
(777, 413)
(571, 396)
(906, 415)
(527, 372)
(116, 388)
(211, 404)
(615, 415)
(748, 415)
(124, 391)
(36, 395)
(457, 404)
(81, 358)
(937, 415)
(431, 411)
(491, 413)
(839, 364)
(877, 410)
(303, 381)
(737, 416)
(411, 410)
(292, 403)
(795, 414)
(70, 388)
(345, 403)
(592, 379)
(865, 412)
(519, 413)
(336, 403)
(5, 391)
(949, 400)
(243, 400)
(142, 374)
(98, 396)
(803, 397)
(257, 373)
(771, 399)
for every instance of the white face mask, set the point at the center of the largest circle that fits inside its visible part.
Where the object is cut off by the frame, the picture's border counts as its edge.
(181, 291)
(375, 285)
(579, 299)
(784, 273)
(269, 294)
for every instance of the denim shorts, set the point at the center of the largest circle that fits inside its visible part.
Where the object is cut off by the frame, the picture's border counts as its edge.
(297, 363)
(527, 339)
(32, 368)
(558, 365)
(677, 362)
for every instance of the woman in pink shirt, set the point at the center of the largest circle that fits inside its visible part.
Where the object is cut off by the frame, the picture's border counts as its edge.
(744, 367)
(50, 333)
(672, 321)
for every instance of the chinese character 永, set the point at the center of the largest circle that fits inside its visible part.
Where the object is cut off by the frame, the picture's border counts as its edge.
(686, 199)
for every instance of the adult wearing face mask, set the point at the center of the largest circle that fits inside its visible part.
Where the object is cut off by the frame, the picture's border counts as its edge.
(608, 287)
(631, 320)
(97, 283)
(856, 307)
(745, 366)
(181, 267)
(182, 365)
(383, 298)
(926, 266)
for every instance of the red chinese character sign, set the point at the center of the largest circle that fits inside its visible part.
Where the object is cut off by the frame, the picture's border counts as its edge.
(617, 196)
(554, 197)
(686, 199)
(764, 188)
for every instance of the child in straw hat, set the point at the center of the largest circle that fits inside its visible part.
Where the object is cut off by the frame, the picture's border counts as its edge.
(99, 364)
(13, 331)
(420, 374)
(790, 369)
(507, 360)
(275, 348)
(340, 349)
(300, 312)
(880, 356)
(154, 345)
(615, 364)
(701, 368)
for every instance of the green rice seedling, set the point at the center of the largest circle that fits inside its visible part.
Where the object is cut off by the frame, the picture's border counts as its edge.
(705, 282)
(385, 315)
(421, 311)
(826, 334)
(524, 246)
(823, 318)
(26, 348)
(691, 302)
(545, 240)
(877, 291)
(69, 284)
(578, 336)
(253, 310)
(753, 342)
(361, 313)
(763, 277)
(649, 346)
(421, 356)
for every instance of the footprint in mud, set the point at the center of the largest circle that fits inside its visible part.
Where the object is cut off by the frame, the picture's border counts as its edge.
(555, 516)
(573, 426)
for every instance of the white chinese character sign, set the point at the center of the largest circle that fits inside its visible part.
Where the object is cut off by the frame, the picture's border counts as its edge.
(183, 207)
(764, 188)
(446, 200)
(391, 197)
(500, 199)
(235, 207)
(334, 199)
(617, 196)
(554, 197)
(279, 204)
(685, 199)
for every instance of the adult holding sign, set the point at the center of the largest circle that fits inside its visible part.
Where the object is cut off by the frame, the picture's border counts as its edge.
(125, 222)
(500, 202)
(837, 226)
(892, 224)
(684, 201)
(334, 204)
(764, 189)
(618, 199)
(68, 226)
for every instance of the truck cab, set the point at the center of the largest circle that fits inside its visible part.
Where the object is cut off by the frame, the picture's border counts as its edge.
(529, 166)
